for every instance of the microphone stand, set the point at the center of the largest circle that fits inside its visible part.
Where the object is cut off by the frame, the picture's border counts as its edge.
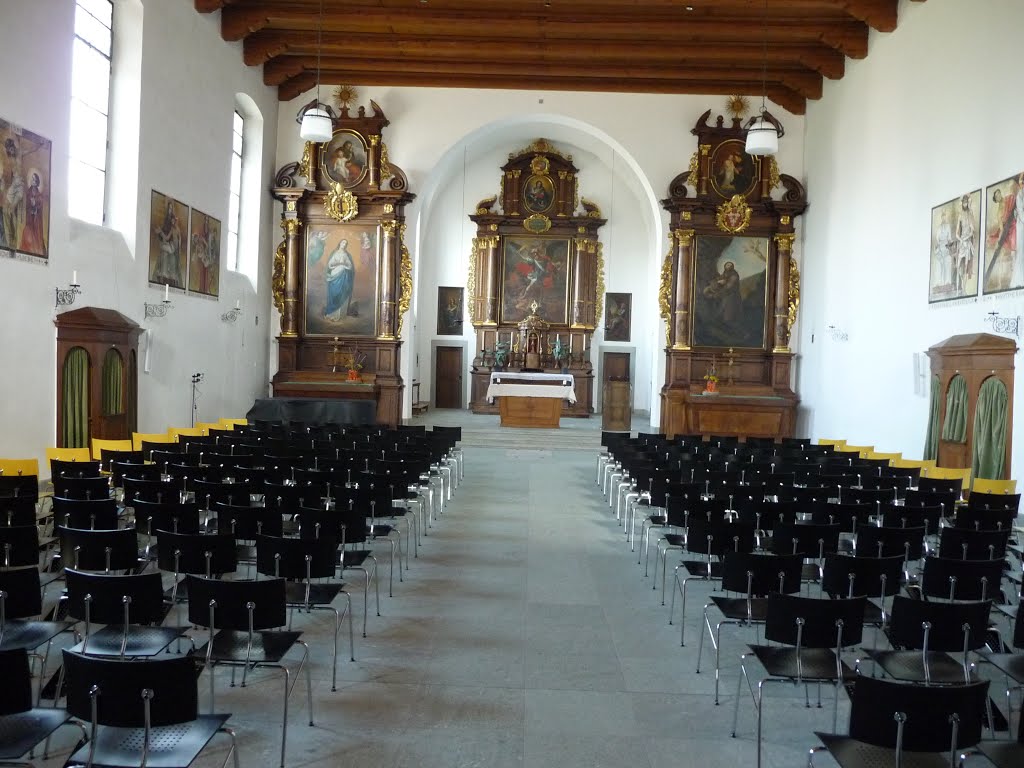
(196, 378)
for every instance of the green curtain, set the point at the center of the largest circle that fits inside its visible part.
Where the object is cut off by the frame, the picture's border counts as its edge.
(113, 383)
(954, 428)
(75, 408)
(989, 451)
(931, 440)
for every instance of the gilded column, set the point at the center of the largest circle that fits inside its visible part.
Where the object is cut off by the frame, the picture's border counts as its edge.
(684, 269)
(585, 247)
(492, 278)
(783, 252)
(389, 258)
(372, 161)
(292, 292)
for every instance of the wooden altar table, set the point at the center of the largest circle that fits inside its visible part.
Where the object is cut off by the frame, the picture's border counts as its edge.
(530, 399)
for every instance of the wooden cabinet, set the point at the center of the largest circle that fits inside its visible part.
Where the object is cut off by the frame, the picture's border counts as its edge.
(616, 406)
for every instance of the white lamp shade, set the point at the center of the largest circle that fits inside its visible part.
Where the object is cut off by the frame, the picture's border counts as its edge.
(316, 125)
(762, 138)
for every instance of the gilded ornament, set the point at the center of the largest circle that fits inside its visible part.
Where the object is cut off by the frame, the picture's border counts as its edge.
(493, 227)
(693, 178)
(785, 242)
(705, 150)
(734, 215)
(686, 216)
(291, 226)
(341, 204)
(388, 228)
(665, 290)
(684, 237)
(599, 304)
(484, 206)
(405, 287)
(345, 95)
(784, 220)
(306, 163)
(540, 165)
(592, 209)
(277, 280)
(385, 163)
(537, 223)
(389, 208)
(576, 194)
(471, 280)
(374, 139)
(794, 294)
(773, 173)
(737, 106)
(539, 146)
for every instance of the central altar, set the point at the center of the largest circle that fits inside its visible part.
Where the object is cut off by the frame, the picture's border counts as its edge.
(530, 399)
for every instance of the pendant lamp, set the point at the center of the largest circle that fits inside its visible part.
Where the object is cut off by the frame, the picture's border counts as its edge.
(315, 118)
(764, 131)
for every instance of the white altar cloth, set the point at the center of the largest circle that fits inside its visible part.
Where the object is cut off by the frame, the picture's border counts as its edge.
(513, 384)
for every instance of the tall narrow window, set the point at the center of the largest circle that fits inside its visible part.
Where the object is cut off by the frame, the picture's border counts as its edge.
(90, 106)
(235, 197)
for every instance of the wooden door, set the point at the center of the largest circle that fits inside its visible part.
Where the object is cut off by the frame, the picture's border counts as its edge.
(448, 378)
(615, 366)
(616, 393)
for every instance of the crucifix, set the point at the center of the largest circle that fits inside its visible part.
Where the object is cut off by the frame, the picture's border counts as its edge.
(334, 356)
(729, 367)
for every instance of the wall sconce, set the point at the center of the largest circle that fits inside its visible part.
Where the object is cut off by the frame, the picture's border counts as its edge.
(1007, 325)
(838, 334)
(160, 310)
(66, 296)
(232, 314)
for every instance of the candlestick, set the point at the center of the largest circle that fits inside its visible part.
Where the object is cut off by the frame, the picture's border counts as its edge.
(74, 277)
(167, 292)
(238, 303)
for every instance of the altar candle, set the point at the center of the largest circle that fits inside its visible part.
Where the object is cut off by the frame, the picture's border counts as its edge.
(167, 292)
(238, 303)
(74, 277)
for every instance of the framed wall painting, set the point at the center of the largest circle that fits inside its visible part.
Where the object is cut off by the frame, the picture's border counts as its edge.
(730, 282)
(617, 316)
(954, 247)
(733, 171)
(344, 158)
(204, 254)
(449, 311)
(24, 191)
(534, 269)
(168, 241)
(1004, 235)
(341, 268)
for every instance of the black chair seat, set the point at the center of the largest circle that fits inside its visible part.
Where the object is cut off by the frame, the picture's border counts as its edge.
(816, 663)
(702, 569)
(319, 594)
(31, 634)
(735, 608)
(268, 647)
(142, 641)
(674, 539)
(354, 558)
(853, 753)
(909, 666)
(1010, 664)
(21, 732)
(169, 744)
(873, 614)
(1003, 754)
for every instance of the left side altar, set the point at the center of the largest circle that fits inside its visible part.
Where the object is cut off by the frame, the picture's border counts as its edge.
(342, 274)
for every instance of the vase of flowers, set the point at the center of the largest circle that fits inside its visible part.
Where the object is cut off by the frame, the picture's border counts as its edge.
(355, 365)
(711, 378)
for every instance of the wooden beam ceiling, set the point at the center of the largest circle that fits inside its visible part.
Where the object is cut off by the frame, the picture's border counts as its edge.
(650, 46)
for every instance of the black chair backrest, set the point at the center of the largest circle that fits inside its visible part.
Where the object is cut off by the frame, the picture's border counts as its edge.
(812, 539)
(152, 516)
(150, 490)
(314, 523)
(953, 485)
(978, 500)
(922, 498)
(951, 579)
(969, 544)
(60, 468)
(875, 577)
(19, 486)
(17, 511)
(81, 487)
(286, 557)
(19, 545)
(245, 522)
(928, 709)
(196, 553)
(850, 516)
(947, 621)
(208, 494)
(978, 518)
(107, 593)
(24, 598)
(108, 455)
(1018, 633)
(873, 541)
(17, 677)
(119, 684)
(820, 620)
(231, 597)
(94, 550)
(159, 453)
(762, 573)
(121, 469)
(906, 516)
(94, 514)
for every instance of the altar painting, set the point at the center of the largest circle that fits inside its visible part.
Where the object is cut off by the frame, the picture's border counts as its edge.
(341, 267)
(730, 292)
(534, 269)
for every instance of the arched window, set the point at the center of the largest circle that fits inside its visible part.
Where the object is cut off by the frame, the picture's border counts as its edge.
(245, 188)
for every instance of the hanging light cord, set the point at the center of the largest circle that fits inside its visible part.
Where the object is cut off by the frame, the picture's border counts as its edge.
(764, 59)
(319, 44)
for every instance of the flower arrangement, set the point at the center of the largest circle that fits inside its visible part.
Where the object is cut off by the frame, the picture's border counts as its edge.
(711, 377)
(354, 363)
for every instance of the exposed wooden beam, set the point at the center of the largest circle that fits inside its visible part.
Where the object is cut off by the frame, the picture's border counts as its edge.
(878, 14)
(209, 6)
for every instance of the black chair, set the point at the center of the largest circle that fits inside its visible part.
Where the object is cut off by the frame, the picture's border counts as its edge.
(910, 516)
(1010, 664)
(182, 554)
(950, 579)
(81, 487)
(19, 546)
(875, 541)
(59, 468)
(971, 544)
(22, 725)
(153, 516)
(871, 577)
(19, 486)
(979, 500)
(952, 485)
(150, 490)
(115, 550)
(241, 617)
(923, 635)
(754, 576)
(813, 634)
(93, 514)
(1005, 754)
(300, 561)
(140, 711)
(814, 540)
(17, 510)
(980, 518)
(131, 606)
(891, 721)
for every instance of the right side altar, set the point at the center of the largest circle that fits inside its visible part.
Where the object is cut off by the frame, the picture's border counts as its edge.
(729, 291)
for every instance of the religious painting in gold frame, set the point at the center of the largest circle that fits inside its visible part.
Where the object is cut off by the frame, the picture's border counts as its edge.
(1004, 235)
(535, 269)
(344, 158)
(730, 291)
(732, 171)
(538, 194)
(342, 264)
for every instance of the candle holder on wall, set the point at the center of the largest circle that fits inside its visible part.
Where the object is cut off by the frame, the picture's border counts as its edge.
(231, 315)
(66, 296)
(158, 310)
(1007, 325)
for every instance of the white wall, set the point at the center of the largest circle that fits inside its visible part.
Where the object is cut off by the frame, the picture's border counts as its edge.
(189, 78)
(932, 113)
(452, 142)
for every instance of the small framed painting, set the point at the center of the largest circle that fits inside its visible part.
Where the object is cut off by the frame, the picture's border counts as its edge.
(344, 158)
(954, 248)
(168, 241)
(449, 311)
(1004, 235)
(204, 254)
(617, 316)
